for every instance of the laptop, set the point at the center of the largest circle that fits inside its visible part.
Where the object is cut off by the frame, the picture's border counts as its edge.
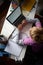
(16, 17)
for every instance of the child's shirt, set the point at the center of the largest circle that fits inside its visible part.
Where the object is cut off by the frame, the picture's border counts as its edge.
(30, 41)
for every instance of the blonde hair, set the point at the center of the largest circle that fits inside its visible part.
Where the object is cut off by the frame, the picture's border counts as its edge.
(37, 34)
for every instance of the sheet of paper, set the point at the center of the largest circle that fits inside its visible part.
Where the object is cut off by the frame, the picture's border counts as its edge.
(15, 36)
(13, 48)
(20, 58)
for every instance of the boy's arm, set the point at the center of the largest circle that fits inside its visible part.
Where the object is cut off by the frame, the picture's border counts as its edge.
(36, 21)
(38, 24)
(27, 41)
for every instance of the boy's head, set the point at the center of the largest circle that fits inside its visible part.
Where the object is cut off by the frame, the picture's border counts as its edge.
(37, 34)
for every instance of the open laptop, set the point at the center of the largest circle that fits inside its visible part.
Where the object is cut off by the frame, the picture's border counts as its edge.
(16, 17)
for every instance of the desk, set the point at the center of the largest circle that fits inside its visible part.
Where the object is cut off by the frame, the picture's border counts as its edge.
(5, 60)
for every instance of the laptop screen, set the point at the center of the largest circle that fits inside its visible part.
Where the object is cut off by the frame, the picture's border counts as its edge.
(14, 15)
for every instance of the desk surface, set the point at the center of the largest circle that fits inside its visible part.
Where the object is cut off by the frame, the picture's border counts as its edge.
(5, 60)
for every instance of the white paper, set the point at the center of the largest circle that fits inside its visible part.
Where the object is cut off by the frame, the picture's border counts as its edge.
(20, 58)
(13, 48)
